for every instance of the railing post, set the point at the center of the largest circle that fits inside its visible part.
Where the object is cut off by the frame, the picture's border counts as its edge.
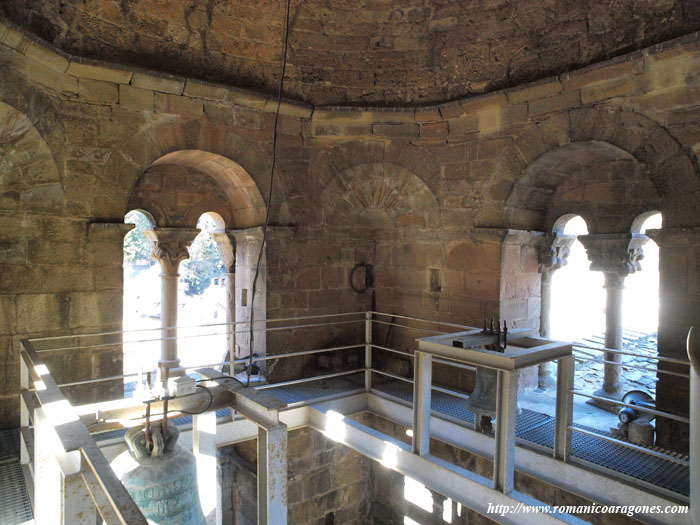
(204, 449)
(272, 475)
(25, 459)
(693, 347)
(564, 408)
(506, 410)
(47, 473)
(78, 505)
(368, 351)
(422, 383)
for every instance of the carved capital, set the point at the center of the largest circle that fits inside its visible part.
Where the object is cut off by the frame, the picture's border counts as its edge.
(555, 251)
(615, 253)
(226, 246)
(170, 246)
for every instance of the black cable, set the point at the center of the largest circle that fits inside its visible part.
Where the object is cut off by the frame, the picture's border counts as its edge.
(211, 401)
(272, 179)
(215, 378)
(223, 377)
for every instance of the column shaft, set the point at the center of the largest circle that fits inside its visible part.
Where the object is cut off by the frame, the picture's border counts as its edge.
(613, 333)
(544, 370)
(231, 314)
(168, 319)
(170, 247)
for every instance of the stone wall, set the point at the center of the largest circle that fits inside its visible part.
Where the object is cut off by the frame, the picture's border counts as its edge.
(327, 482)
(367, 52)
(409, 190)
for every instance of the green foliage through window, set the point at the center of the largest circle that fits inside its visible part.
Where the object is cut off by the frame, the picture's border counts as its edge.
(204, 263)
(137, 249)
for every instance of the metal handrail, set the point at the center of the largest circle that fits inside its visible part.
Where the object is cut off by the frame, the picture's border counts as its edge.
(309, 379)
(231, 323)
(634, 367)
(638, 448)
(640, 408)
(397, 316)
(625, 352)
(111, 497)
(439, 332)
(369, 320)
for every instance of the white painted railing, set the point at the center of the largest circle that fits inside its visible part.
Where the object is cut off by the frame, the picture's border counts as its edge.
(71, 473)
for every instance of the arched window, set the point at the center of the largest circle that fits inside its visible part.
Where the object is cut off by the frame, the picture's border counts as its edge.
(202, 298)
(141, 295)
(578, 297)
(640, 309)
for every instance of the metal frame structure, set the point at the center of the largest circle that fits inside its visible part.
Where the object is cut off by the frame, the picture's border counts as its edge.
(65, 461)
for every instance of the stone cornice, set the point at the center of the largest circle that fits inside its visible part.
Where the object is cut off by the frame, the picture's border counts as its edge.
(60, 63)
(509, 236)
(675, 237)
(110, 230)
(256, 233)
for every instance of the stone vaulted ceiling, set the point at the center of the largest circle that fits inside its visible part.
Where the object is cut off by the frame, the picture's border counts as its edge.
(369, 52)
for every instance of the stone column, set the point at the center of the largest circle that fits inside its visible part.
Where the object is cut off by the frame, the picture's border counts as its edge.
(679, 309)
(169, 248)
(616, 255)
(226, 246)
(553, 255)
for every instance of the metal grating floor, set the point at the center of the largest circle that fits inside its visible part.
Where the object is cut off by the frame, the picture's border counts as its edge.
(15, 508)
(531, 427)
(657, 471)
(9, 445)
(455, 407)
(539, 429)
(322, 388)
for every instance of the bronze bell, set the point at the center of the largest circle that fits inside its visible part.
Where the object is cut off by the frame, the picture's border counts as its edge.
(162, 481)
(482, 401)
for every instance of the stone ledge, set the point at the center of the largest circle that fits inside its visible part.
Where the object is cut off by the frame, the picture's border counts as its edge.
(547, 88)
(85, 68)
(509, 236)
(158, 82)
(108, 230)
(675, 237)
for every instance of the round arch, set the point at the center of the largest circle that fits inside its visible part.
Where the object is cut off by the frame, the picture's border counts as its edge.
(614, 135)
(31, 180)
(377, 196)
(39, 111)
(162, 143)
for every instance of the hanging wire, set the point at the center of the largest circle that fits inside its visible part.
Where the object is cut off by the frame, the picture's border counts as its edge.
(269, 197)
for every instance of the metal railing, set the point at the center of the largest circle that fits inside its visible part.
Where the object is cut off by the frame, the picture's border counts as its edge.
(67, 462)
(41, 396)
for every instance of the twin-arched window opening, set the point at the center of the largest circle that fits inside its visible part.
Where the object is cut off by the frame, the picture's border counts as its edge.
(201, 298)
(579, 308)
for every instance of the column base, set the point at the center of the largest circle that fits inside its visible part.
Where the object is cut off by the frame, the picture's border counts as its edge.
(615, 395)
(545, 379)
(169, 364)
